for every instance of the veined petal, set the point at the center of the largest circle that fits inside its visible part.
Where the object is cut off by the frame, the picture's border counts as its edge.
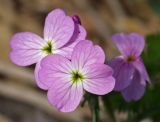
(59, 28)
(40, 84)
(99, 79)
(26, 48)
(135, 90)
(139, 65)
(65, 96)
(131, 44)
(99, 53)
(85, 53)
(53, 67)
(123, 73)
(67, 49)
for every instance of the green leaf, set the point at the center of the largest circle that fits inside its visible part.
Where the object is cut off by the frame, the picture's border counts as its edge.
(151, 55)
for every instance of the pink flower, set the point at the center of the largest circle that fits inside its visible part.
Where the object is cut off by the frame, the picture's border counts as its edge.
(129, 70)
(66, 78)
(61, 34)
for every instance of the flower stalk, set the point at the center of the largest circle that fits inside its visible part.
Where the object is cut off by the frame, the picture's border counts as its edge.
(109, 109)
(94, 106)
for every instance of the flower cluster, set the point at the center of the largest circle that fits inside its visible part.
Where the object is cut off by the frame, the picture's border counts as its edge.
(68, 65)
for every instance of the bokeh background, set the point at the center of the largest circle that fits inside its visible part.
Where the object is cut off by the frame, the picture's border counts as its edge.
(22, 101)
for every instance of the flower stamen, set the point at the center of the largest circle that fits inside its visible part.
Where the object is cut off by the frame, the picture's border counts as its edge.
(48, 49)
(77, 77)
(131, 58)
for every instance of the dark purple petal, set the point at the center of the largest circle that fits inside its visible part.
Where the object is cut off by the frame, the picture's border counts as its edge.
(139, 65)
(123, 72)
(131, 44)
(135, 90)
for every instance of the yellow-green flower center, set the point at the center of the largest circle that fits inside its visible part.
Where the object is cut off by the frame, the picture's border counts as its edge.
(77, 77)
(48, 48)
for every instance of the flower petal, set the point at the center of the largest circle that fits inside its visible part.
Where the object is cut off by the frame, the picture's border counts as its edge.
(99, 53)
(135, 90)
(26, 48)
(123, 73)
(131, 44)
(76, 19)
(36, 74)
(65, 96)
(68, 48)
(85, 53)
(52, 67)
(99, 79)
(139, 65)
(59, 28)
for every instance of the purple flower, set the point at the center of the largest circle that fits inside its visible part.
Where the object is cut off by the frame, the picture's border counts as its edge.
(129, 70)
(66, 78)
(61, 34)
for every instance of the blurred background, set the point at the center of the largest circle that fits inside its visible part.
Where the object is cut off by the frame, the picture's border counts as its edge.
(22, 101)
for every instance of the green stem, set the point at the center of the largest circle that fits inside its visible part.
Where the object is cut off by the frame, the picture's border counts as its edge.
(96, 114)
(94, 106)
(131, 118)
(109, 110)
